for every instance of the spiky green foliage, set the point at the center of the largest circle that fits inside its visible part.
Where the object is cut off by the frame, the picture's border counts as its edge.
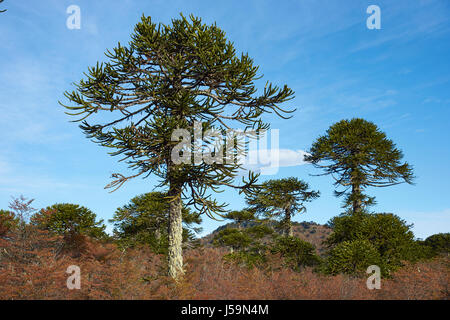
(391, 236)
(352, 257)
(246, 244)
(295, 252)
(69, 219)
(232, 238)
(281, 198)
(144, 221)
(358, 155)
(439, 243)
(259, 231)
(166, 78)
(171, 77)
(240, 217)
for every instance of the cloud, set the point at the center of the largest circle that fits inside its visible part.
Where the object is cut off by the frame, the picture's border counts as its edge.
(268, 161)
(426, 19)
(373, 100)
(436, 101)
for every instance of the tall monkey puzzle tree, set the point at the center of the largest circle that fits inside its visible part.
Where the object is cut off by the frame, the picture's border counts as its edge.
(170, 77)
(358, 155)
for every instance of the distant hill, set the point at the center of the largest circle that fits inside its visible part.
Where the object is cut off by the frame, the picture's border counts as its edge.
(311, 232)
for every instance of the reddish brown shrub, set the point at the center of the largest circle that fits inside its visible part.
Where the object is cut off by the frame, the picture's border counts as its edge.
(33, 266)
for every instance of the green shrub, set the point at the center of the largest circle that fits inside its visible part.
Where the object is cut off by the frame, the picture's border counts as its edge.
(232, 238)
(69, 219)
(352, 257)
(387, 233)
(144, 221)
(439, 243)
(295, 252)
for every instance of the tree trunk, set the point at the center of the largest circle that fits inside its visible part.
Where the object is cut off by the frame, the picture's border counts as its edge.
(175, 230)
(288, 224)
(158, 234)
(356, 193)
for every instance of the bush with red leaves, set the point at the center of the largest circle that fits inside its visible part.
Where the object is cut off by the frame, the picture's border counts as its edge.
(33, 265)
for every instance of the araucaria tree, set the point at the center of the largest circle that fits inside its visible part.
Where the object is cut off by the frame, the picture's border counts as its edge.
(69, 219)
(144, 221)
(240, 217)
(358, 155)
(172, 77)
(281, 198)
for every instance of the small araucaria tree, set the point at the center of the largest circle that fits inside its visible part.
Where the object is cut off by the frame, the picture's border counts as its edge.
(70, 219)
(358, 155)
(144, 221)
(172, 77)
(281, 198)
(240, 217)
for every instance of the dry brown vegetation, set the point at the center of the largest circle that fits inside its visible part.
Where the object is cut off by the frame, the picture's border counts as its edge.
(33, 266)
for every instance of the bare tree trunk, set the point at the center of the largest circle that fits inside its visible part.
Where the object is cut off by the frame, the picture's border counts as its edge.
(158, 229)
(158, 234)
(290, 231)
(288, 224)
(175, 230)
(356, 192)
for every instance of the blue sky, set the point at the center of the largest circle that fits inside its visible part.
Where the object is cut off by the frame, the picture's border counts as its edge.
(397, 77)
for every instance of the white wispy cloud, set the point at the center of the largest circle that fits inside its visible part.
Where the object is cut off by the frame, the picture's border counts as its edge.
(268, 161)
(427, 18)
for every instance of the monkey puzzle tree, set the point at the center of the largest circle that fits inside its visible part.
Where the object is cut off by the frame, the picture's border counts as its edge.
(247, 245)
(391, 236)
(439, 243)
(144, 221)
(240, 216)
(69, 219)
(295, 252)
(233, 238)
(358, 155)
(281, 198)
(171, 77)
